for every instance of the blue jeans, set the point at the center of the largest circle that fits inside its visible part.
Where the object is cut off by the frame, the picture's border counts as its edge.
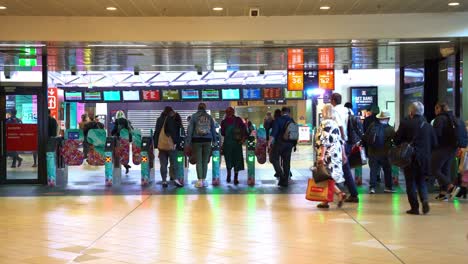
(164, 157)
(377, 163)
(348, 176)
(415, 184)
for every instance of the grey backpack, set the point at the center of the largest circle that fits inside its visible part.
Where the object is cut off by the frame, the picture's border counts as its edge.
(291, 131)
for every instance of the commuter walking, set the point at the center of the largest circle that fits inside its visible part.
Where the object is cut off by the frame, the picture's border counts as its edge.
(268, 124)
(12, 119)
(379, 139)
(445, 127)
(416, 131)
(373, 111)
(52, 131)
(234, 132)
(201, 135)
(330, 151)
(250, 126)
(121, 122)
(165, 137)
(179, 138)
(82, 125)
(341, 116)
(281, 146)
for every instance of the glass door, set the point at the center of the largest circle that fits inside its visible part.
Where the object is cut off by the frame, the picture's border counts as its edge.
(19, 136)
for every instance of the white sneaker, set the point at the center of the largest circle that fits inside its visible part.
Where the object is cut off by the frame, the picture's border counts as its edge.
(199, 184)
(389, 191)
(372, 191)
(178, 183)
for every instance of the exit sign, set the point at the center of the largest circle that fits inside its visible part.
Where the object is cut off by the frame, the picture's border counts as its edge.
(28, 58)
(27, 62)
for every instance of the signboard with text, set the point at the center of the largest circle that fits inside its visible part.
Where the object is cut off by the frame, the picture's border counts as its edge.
(326, 58)
(295, 59)
(21, 137)
(52, 102)
(363, 98)
(327, 79)
(295, 80)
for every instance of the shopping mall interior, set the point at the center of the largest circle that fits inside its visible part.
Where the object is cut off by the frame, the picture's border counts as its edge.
(68, 199)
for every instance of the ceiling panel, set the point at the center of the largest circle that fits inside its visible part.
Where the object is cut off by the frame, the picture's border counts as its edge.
(137, 8)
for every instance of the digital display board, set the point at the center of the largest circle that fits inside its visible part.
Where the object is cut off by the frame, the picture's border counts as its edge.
(327, 79)
(151, 95)
(112, 96)
(326, 58)
(190, 94)
(210, 94)
(311, 80)
(231, 94)
(295, 59)
(93, 96)
(363, 98)
(295, 80)
(131, 95)
(272, 93)
(73, 96)
(293, 94)
(170, 95)
(252, 94)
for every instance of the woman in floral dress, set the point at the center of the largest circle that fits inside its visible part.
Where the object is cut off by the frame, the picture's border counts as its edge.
(330, 150)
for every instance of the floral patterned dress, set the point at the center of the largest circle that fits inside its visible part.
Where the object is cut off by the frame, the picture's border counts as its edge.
(329, 136)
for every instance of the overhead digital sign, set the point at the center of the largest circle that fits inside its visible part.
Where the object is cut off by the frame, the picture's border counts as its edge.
(272, 93)
(327, 79)
(170, 95)
(73, 96)
(112, 96)
(131, 95)
(231, 94)
(151, 95)
(293, 94)
(93, 96)
(311, 80)
(295, 80)
(190, 94)
(326, 58)
(295, 59)
(252, 94)
(210, 94)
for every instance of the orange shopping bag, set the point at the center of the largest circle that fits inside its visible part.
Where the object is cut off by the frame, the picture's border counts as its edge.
(320, 192)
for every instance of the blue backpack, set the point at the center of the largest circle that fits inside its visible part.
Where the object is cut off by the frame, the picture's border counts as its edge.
(375, 137)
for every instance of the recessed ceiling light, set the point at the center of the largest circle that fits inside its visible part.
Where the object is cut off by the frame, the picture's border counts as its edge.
(118, 45)
(111, 8)
(3, 7)
(325, 7)
(218, 9)
(453, 4)
(419, 42)
(21, 45)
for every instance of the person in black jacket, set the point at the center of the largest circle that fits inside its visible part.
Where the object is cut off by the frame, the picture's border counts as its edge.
(167, 122)
(121, 122)
(417, 131)
(375, 110)
(444, 154)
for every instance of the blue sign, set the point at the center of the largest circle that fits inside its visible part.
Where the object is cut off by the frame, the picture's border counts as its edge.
(363, 98)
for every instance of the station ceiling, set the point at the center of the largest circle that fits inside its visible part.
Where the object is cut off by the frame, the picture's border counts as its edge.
(194, 8)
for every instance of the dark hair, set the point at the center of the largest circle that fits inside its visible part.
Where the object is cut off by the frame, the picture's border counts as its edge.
(277, 114)
(13, 112)
(167, 110)
(444, 107)
(337, 98)
(285, 110)
(202, 106)
(178, 119)
(348, 105)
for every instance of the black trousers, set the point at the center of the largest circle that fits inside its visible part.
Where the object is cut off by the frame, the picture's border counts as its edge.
(415, 184)
(281, 159)
(441, 164)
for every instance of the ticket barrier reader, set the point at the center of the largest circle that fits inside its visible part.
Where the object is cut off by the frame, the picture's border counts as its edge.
(216, 162)
(147, 161)
(57, 175)
(180, 162)
(251, 161)
(113, 172)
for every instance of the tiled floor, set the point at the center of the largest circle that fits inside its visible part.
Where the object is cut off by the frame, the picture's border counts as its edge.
(247, 228)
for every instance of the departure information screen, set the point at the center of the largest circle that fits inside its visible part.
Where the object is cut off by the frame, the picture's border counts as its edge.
(252, 94)
(272, 93)
(112, 96)
(73, 96)
(210, 94)
(93, 96)
(131, 95)
(231, 94)
(151, 95)
(170, 95)
(293, 94)
(190, 94)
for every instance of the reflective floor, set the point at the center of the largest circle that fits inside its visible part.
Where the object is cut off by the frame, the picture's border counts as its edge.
(247, 228)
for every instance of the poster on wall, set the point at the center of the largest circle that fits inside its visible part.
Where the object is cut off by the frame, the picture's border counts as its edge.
(21, 137)
(363, 98)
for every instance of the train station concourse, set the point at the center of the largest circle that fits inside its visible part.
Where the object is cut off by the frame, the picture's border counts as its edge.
(267, 131)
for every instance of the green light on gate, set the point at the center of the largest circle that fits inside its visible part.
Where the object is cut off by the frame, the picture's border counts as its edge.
(251, 158)
(216, 159)
(180, 159)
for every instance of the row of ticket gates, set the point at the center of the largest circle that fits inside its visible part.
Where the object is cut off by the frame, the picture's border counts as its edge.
(98, 149)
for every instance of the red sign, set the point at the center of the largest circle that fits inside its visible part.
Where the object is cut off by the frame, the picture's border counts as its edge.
(272, 93)
(151, 95)
(295, 80)
(52, 102)
(326, 58)
(295, 59)
(21, 137)
(327, 79)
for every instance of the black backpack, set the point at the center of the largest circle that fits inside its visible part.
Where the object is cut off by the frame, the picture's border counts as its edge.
(455, 132)
(354, 129)
(375, 136)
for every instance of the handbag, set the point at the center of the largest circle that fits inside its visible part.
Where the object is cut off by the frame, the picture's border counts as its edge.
(320, 173)
(320, 192)
(357, 157)
(403, 154)
(165, 142)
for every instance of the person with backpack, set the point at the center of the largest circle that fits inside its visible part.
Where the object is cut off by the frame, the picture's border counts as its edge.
(417, 133)
(379, 139)
(201, 134)
(342, 115)
(268, 124)
(121, 122)
(165, 136)
(283, 140)
(12, 119)
(234, 132)
(451, 135)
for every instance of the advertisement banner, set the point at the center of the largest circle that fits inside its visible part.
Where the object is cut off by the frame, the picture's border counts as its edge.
(304, 134)
(21, 137)
(363, 98)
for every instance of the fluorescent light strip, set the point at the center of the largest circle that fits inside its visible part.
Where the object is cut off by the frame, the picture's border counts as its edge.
(95, 65)
(21, 45)
(419, 42)
(117, 45)
(173, 65)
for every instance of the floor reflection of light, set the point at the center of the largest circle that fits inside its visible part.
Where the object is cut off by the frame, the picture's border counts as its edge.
(396, 210)
(360, 207)
(456, 204)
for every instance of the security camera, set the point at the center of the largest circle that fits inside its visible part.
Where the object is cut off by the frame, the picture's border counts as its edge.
(7, 72)
(136, 71)
(254, 12)
(73, 70)
(199, 69)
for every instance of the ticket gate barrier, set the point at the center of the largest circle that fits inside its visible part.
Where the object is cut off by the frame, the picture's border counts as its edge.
(216, 163)
(180, 162)
(113, 173)
(57, 175)
(251, 161)
(147, 161)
